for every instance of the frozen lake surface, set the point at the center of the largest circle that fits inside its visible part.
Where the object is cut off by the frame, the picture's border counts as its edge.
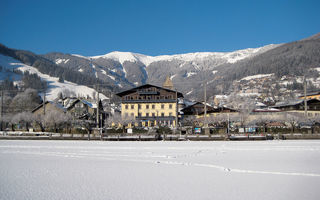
(251, 170)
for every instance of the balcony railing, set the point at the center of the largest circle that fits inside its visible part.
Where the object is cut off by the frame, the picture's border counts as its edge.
(159, 118)
(149, 101)
(148, 93)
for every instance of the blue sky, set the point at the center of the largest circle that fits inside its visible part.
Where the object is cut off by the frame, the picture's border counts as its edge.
(154, 27)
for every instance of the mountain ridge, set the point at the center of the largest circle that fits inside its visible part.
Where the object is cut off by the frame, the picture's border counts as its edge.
(147, 60)
(123, 70)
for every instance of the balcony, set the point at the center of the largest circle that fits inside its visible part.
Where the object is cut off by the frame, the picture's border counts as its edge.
(148, 93)
(149, 101)
(159, 118)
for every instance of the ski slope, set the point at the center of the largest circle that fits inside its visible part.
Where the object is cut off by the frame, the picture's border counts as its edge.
(54, 86)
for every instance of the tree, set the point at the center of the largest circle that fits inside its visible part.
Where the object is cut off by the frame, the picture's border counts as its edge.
(25, 101)
(61, 79)
(24, 118)
(294, 119)
(244, 105)
(68, 93)
(56, 120)
(39, 120)
(116, 119)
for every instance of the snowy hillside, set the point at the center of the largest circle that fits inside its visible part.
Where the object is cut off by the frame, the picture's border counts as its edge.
(54, 86)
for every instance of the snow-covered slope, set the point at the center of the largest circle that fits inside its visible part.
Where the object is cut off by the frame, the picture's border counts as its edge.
(54, 86)
(228, 57)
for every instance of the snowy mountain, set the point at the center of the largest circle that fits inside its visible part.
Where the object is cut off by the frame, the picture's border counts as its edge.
(118, 71)
(10, 64)
(225, 57)
(127, 69)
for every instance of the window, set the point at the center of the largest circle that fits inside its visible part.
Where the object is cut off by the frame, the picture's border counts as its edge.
(132, 106)
(170, 106)
(126, 106)
(162, 106)
(162, 114)
(170, 114)
(153, 114)
(139, 114)
(147, 114)
(153, 106)
(147, 106)
(139, 106)
(132, 114)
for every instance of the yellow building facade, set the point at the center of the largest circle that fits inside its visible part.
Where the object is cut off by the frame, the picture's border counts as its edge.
(150, 105)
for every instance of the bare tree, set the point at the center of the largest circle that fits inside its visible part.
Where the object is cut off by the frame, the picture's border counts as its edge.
(294, 119)
(244, 105)
(24, 118)
(25, 101)
(39, 120)
(264, 120)
(117, 119)
(55, 119)
(68, 93)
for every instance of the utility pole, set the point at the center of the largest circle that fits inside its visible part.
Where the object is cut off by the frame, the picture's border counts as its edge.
(98, 108)
(1, 107)
(176, 108)
(205, 104)
(44, 102)
(305, 97)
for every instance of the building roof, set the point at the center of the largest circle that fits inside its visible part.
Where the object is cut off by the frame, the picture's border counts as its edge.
(293, 102)
(310, 94)
(91, 105)
(132, 90)
(59, 106)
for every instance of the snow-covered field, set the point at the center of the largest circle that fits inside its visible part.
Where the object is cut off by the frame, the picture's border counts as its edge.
(160, 170)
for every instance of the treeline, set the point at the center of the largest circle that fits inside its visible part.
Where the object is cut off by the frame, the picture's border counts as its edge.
(32, 81)
(294, 58)
(23, 98)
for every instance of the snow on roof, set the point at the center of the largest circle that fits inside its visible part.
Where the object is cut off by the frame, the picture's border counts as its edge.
(259, 104)
(90, 104)
(288, 103)
(266, 110)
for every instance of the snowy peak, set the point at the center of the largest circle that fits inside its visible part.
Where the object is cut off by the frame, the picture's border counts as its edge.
(124, 56)
(228, 57)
